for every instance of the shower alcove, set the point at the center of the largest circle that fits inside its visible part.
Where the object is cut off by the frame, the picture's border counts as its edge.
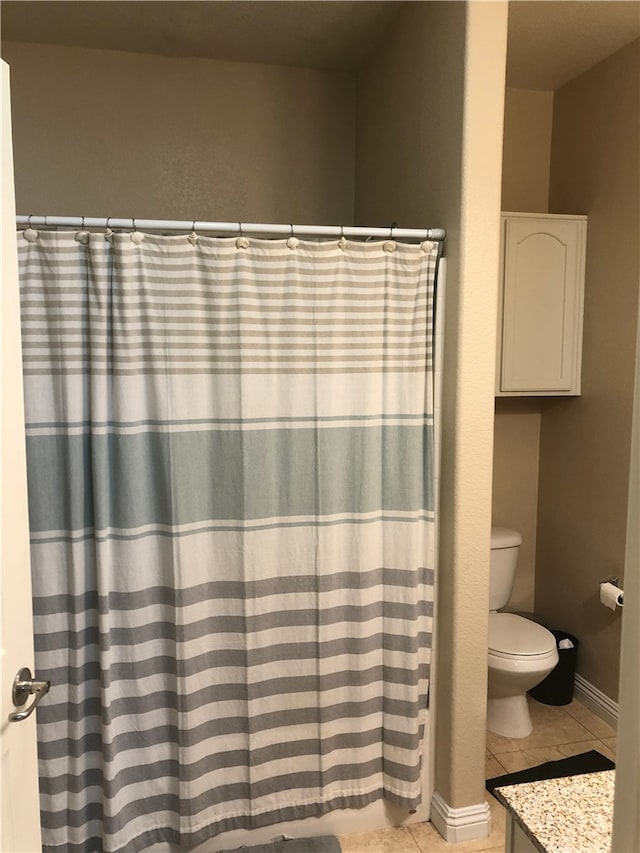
(383, 135)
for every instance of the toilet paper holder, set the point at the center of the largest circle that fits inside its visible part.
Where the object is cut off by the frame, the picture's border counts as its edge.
(619, 599)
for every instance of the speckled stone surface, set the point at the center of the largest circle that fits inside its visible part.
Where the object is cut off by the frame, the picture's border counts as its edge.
(569, 815)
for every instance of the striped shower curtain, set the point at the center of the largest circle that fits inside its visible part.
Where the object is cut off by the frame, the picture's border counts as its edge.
(232, 519)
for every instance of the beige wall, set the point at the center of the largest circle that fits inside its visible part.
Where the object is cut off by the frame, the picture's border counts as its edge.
(626, 810)
(108, 133)
(527, 150)
(515, 486)
(429, 153)
(525, 187)
(585, 442)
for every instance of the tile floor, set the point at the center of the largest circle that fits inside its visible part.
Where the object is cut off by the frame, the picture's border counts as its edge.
(558, 732)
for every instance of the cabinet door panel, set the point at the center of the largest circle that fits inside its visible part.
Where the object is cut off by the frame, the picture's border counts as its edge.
(541, 305)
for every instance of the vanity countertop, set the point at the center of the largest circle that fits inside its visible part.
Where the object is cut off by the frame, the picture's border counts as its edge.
(569, 815)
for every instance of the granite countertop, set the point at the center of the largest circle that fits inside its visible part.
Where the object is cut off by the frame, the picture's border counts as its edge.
(569, 815)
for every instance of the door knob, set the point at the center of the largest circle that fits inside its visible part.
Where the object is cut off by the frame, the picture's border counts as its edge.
(24, 685)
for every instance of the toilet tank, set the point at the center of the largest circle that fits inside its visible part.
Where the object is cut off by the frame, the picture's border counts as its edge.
(505, 545)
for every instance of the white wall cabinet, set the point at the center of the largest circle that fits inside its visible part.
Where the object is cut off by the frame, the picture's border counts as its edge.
(541, 304)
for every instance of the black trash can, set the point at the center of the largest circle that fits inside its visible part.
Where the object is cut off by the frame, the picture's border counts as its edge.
(557, 687)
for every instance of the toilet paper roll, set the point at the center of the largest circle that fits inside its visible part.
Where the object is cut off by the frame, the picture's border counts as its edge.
(611, 596)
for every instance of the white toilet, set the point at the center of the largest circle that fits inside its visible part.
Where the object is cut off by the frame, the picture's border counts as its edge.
(521, 652)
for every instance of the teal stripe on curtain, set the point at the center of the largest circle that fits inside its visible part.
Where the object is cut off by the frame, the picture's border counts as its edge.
(303, 472)
(230, 461)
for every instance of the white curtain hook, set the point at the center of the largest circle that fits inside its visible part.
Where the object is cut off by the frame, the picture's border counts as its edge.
(241, 241)
(82, 236)
(29, 234)
(137, 237)
(293, 242)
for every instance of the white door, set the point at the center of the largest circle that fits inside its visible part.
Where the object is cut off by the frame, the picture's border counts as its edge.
(19, 788)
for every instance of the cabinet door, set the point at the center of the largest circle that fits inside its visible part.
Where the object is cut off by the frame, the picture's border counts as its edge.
(542, 305)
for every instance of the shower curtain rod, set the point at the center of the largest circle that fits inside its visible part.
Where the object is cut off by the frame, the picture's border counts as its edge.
(244, 228)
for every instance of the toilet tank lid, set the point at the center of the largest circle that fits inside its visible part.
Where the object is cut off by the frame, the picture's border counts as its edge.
(502, 537)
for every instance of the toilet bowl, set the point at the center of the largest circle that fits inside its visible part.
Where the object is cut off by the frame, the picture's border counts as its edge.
(521, 653)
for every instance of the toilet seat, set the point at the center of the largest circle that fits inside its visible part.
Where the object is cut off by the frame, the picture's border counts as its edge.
(512, 636)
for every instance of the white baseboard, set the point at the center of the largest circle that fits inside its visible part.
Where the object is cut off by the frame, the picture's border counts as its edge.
(596, 701)
(464, 824)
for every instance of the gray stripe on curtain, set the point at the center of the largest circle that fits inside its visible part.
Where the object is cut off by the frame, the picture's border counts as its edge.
(230, 459)
(234, 589)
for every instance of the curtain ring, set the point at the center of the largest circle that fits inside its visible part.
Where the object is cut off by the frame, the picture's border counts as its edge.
(29, 234)
(292, 242)
(82, 236)
(241, 241)
(137, 237)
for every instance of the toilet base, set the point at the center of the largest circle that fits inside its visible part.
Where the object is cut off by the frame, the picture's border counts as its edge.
(508, 716)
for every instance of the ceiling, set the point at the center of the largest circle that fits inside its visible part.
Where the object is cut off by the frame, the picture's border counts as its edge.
(313, 33)
(553, 42)
(549, 42)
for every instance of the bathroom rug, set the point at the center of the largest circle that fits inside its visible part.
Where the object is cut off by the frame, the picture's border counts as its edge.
(321, 844)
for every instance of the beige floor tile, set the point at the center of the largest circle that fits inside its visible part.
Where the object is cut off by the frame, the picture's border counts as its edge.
(551, 726)
(394, 840)
(589, 720)
(608, 747)
(492, 767)
(523, 759)
(611, 742)
(429, 839)
(546, 713)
